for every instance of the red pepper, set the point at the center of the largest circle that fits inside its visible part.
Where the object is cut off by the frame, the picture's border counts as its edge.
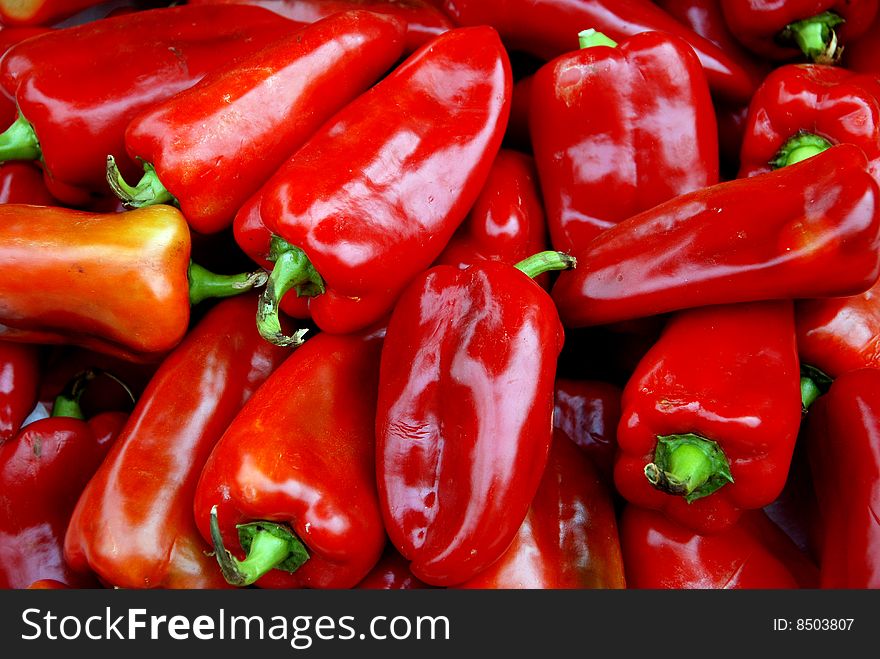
(843, 442)
(210, 147)
(815, 29)
(863, 56)
(807, 230)
(549, 28)
(391, 573)
(753, 554)
(48, 584)
(42, 472)
(706, 19)
(134, 525)
(617, 130)
(802, 109)
(9, 36)
(840, 334)
(506, 223)
(72, 118)
(366, 204)
(569, 536)
(588, 413)
(119, 283)
(19, 378)
(292, 481)
(423, 21)
(456, 480)
(40, 12)
(710, 416)
(22, 183)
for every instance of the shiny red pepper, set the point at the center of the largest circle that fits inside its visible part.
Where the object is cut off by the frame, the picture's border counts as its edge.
(42, 472)
(456, 480)
(366, 204)
(802, 109)
(40, 12)
(588, 412)
(22, 183)
(134, 525)
(506, 223)
(815, 29)
(19, 378)
(549, 28)
(710, 416)
(706, 19)
(753, 554)
(840, 334)
(72, 118)
(391, 573)
(8, 38)
(807, 230)
(423, 21)
(569, 536)
(843, 442)
(210, 147)
(295, 472)
(120, 283)
(617, 129)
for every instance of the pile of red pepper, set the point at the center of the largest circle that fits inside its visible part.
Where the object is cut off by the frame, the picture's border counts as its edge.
(512, 294)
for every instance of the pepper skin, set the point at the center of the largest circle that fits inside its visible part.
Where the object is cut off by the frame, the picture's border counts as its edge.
(78, 117)
(8, 38)
(549, 28)
(840, 334)
(40, 12)
(391, 573)
(807, 230)
(19, 378)
(799, 102)
(843, 444)
(370, 204)
(119, 283)
(506, 223)
(22, 183)
(569, 536)
(213, 145)
(711, 414)
(423, 21)
(863, 56)
(301, 454)
(753, 554)
(617, 130)
(456, 480)
(763, 26)
(42, 472)
(133, 524)
(588, 412)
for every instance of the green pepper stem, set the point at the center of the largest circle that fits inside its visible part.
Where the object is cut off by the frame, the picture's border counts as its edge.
(798, 148)
(204, 284)
(268, 546)
(67, 403)
(292, 270)
(538, 264)
(590, 37)
(149, 191)
(688, 465)
(816, 37)
(19, 141)
(814, 383)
